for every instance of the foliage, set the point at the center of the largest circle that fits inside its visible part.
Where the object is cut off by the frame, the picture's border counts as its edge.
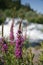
(10, 58)
(14, 8)
(10, 12)
(6, 4)
(27, 56)
(41, 58)
(2, 17)
(41, 45)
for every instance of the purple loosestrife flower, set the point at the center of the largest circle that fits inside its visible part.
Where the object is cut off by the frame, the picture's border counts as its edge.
(4, 46)
(11, 33)
(19, 43)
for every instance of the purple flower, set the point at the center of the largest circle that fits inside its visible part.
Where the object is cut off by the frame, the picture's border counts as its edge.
(11, 34)
(4, 47)
(19, 43)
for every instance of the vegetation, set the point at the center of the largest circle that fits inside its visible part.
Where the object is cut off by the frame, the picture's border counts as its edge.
(14, 8)
(28, 56)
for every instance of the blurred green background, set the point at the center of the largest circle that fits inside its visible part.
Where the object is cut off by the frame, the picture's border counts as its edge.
(14, 8)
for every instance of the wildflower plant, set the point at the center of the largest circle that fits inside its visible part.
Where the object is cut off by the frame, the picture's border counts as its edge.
(19, 43)
(11, 33)
(4, 46)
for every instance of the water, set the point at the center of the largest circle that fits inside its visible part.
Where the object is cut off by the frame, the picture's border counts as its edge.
(34, 31)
